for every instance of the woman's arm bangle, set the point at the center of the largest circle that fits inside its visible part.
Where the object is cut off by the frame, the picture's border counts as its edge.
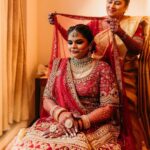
(86, 121)
(57, 113)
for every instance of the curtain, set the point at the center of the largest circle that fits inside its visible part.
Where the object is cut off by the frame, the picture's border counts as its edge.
(13, 82)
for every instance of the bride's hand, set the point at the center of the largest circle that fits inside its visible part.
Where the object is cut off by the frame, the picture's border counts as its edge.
(55, 130)
(70, 123)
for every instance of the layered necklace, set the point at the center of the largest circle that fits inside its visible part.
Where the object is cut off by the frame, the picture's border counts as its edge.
(80, 66)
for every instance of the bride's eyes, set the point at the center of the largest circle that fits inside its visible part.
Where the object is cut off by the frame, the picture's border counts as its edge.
(70, 42)
(76, 42)
(79, 41)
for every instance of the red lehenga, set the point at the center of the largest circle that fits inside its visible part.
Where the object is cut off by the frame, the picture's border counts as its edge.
(81, 96)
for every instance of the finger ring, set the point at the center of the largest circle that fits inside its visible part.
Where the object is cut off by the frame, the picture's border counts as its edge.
(53, 128)
(68, 123)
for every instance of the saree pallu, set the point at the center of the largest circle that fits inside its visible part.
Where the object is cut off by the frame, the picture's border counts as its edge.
(101, 136)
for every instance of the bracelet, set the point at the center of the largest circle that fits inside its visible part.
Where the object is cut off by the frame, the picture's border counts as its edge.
(80, 124)
(57, 113)
(52, 110)
(86, 121)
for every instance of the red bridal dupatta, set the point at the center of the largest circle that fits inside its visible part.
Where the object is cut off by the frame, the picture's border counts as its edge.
(66, 95)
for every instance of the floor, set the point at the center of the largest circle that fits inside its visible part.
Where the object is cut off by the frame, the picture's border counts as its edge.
(9, 135)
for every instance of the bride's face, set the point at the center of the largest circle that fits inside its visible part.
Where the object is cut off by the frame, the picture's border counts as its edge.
(116, 8)
(78, 45)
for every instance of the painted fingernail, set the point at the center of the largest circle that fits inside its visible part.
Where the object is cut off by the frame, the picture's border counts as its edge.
(76, 130)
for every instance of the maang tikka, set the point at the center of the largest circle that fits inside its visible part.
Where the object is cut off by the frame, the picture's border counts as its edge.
(74, 33)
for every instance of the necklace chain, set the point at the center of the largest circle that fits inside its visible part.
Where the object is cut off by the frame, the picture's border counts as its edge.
(79, 66)
(81, 62)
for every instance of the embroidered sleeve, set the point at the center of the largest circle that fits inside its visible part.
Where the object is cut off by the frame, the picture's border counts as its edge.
(48, 91)
(108, 88)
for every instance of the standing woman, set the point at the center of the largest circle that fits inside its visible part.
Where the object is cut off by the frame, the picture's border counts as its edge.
(120, 42)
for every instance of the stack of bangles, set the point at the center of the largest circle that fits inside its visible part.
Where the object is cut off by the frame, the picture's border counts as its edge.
(56, 111)
(84, 122)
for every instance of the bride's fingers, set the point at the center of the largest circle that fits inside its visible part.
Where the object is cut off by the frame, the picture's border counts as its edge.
(71, 131)
(76, 127)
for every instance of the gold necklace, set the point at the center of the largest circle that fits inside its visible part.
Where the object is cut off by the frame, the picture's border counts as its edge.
(79, 66)
(81, 62)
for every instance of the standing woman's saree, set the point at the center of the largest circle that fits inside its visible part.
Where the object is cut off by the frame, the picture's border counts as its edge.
(129, 66)
(144, 82)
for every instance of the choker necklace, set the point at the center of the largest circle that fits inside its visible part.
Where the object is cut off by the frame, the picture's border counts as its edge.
(81, 62)
(79, 66)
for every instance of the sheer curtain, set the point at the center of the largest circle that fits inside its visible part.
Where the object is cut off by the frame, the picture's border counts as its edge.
(13, 84)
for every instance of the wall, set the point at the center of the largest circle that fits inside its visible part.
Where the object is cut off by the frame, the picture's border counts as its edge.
(148, 7)
(79, 7)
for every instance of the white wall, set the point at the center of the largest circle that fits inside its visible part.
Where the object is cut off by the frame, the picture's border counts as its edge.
(138, 8)
(148, 7)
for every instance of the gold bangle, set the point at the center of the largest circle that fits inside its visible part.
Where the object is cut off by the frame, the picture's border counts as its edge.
(52, 110)
(57, 112)
(86, 121)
